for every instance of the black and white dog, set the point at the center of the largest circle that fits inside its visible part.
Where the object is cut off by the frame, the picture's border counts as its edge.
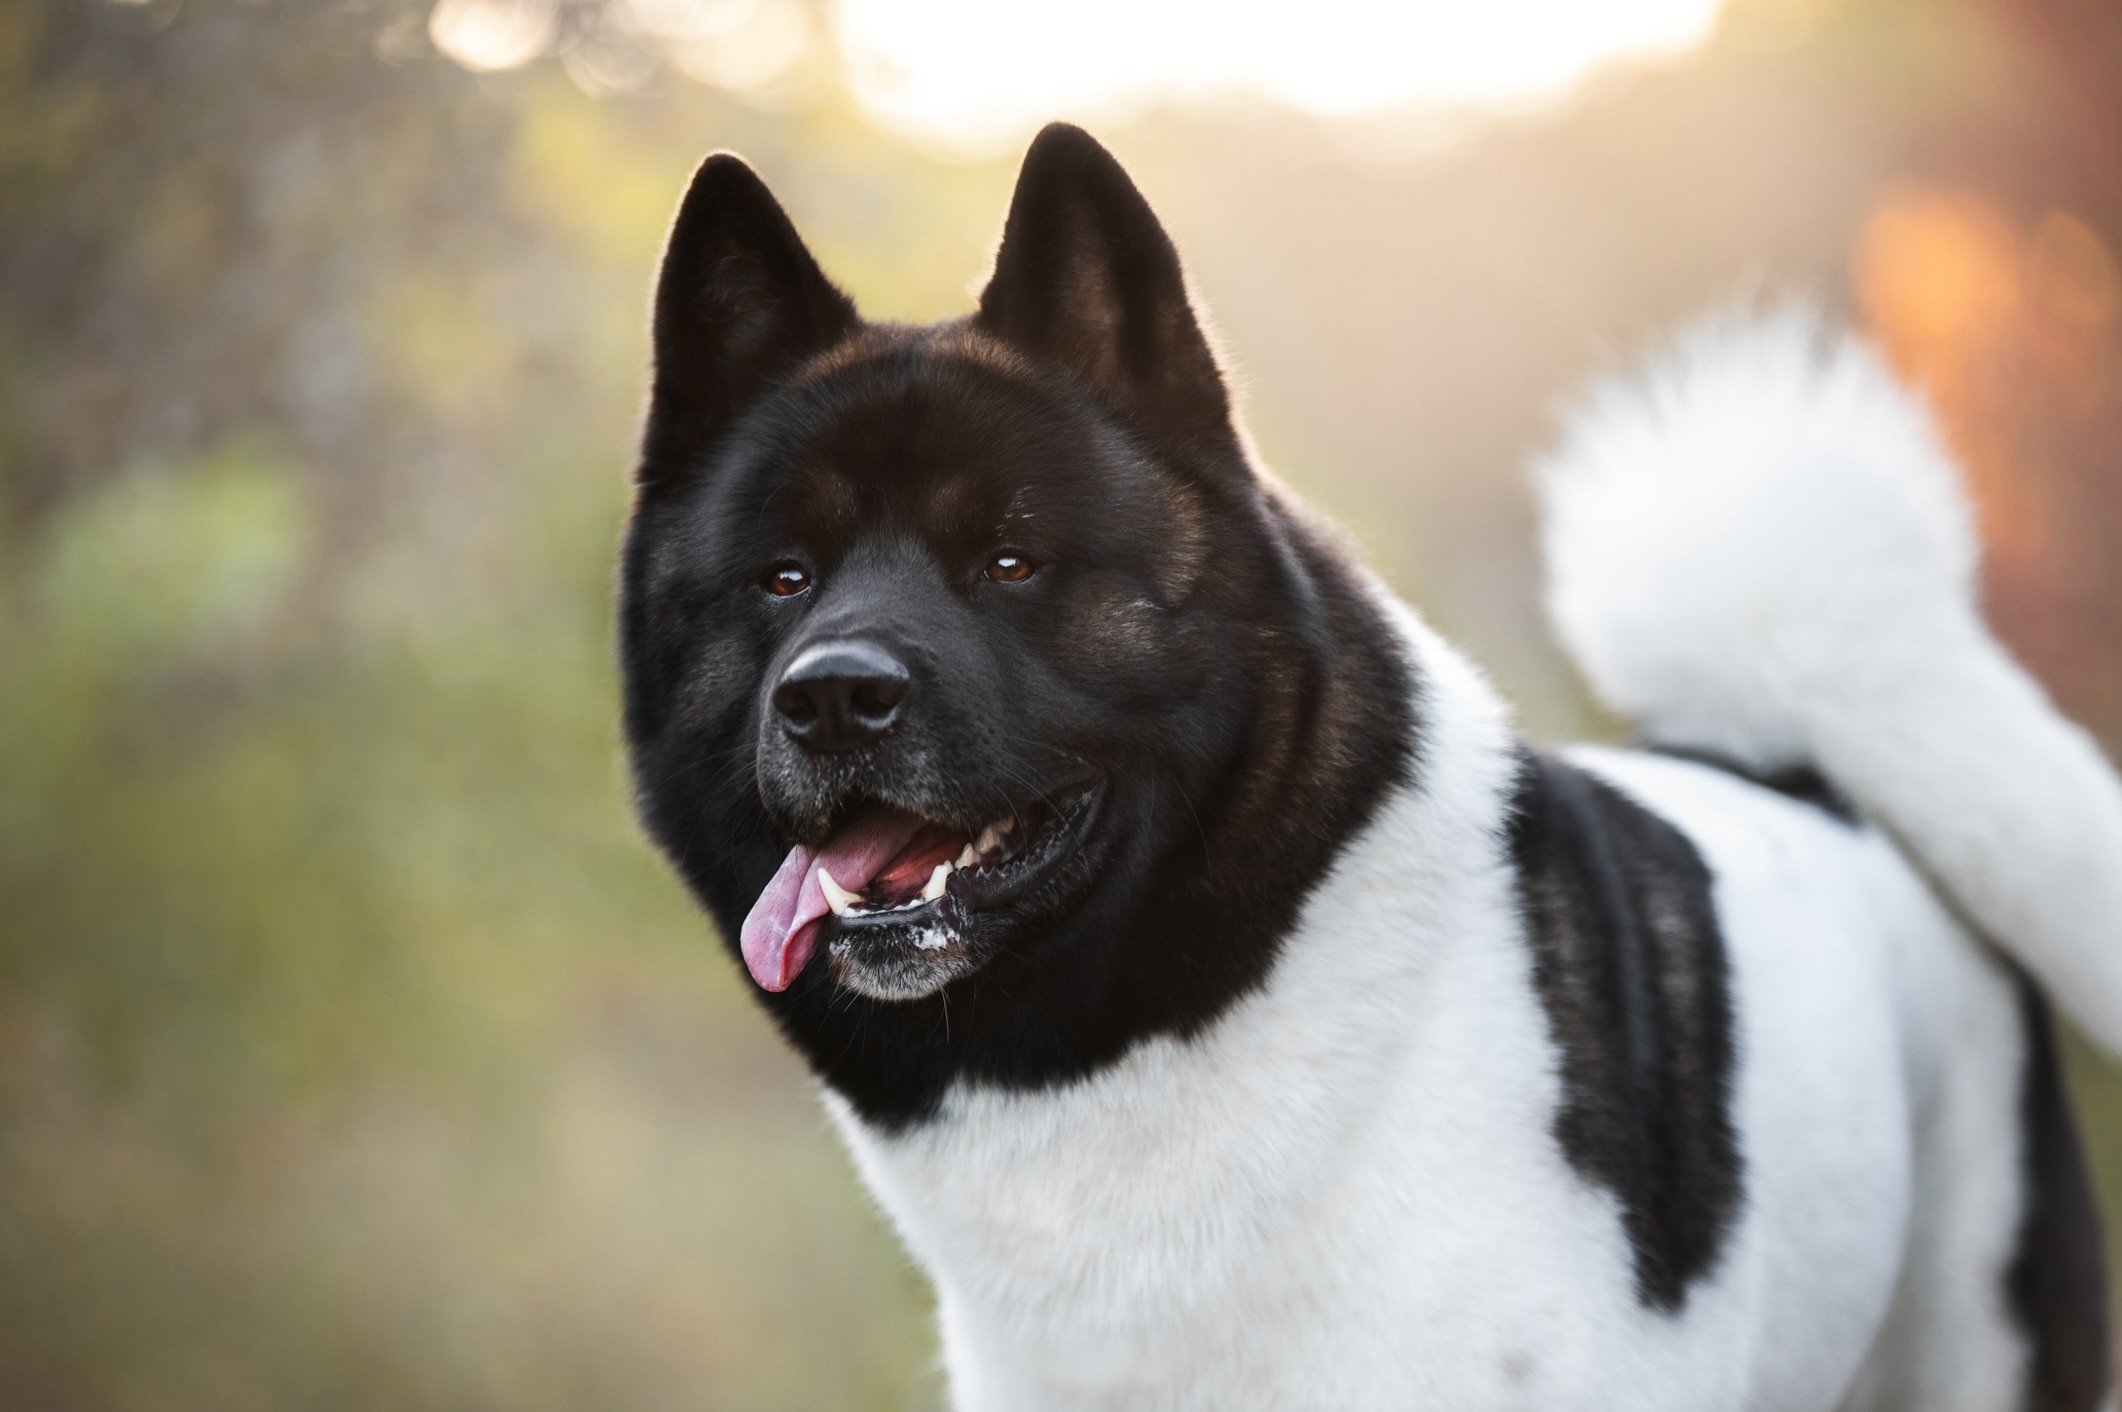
(1226, 1006)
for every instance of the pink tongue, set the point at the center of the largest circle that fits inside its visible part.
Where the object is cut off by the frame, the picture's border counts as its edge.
(783, 925)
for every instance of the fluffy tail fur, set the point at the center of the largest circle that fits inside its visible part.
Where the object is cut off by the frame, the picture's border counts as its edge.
(1759, 548)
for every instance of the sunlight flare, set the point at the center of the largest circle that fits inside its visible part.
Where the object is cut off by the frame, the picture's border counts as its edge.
(972, 71)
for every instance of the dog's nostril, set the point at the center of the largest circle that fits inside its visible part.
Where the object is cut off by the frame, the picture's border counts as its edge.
(877, 698)
(841, 695)
(795, 704)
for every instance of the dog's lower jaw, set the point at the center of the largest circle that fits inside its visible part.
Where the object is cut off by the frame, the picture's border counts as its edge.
(1024, 873)
(930, 958)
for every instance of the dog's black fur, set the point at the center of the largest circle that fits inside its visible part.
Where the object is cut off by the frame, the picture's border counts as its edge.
(2056, 1285)
(1191, 654)
(1803, 783)
(1629, 962)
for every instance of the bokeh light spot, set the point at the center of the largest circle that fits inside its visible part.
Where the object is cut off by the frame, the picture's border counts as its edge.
(491, 35)
(975, 71)
(1934, 269)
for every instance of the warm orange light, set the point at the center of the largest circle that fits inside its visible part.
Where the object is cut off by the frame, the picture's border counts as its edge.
(1934, 271)
(2013, 334)
(1938, 278)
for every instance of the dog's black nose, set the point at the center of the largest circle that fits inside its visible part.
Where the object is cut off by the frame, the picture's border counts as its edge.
(841, 695)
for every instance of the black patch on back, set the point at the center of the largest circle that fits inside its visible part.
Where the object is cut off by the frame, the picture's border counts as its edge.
(1800, 782)
(1629, 963)
(2056, 1285)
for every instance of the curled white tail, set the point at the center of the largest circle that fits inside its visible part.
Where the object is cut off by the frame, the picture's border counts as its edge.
(1760, 548)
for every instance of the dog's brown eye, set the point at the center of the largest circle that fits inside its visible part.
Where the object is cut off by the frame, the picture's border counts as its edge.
(1008, 568)
(787, 580)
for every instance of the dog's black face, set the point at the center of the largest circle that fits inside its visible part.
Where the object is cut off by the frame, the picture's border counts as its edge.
(924, 594)
(973, 679)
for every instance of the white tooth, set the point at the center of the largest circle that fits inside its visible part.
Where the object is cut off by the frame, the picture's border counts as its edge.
(989, 837)
(967, 856)
(837, 897)
(936, 880)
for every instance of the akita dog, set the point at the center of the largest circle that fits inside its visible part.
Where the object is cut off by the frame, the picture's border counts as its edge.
(1227, 1007)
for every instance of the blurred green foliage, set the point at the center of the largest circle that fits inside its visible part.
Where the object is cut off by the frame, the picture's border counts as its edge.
(354, 1050)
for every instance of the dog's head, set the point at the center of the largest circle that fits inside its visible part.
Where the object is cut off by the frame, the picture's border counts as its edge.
(953, 647)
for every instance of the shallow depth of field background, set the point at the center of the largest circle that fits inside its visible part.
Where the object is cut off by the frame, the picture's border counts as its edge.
(354, 1050)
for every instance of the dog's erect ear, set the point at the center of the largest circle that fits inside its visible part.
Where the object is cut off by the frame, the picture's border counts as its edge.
(1087, 279)
(740, 301)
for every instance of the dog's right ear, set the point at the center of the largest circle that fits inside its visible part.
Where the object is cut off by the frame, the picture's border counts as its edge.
(739, 303)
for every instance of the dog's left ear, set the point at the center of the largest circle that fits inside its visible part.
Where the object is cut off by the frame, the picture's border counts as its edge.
(1087, 279)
